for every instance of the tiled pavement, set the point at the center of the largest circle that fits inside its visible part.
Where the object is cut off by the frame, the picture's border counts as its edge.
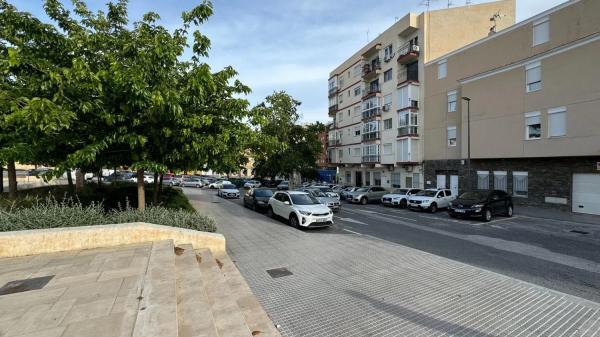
(92, 293)
(350, 285)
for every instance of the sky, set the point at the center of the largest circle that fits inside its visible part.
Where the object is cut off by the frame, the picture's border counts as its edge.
(288, 45)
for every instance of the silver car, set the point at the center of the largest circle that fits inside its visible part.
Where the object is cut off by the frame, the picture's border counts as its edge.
(333, 202)
(191, 182)
(365, 195)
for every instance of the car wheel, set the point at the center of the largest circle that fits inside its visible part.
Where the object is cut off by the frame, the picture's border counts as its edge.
(294, 221)
(509, 211)
(364, 201)
(487, 215)
(433, 208)
(403, 203)
(270, 212)
(254, 206)
(197, 186)
(452, 215)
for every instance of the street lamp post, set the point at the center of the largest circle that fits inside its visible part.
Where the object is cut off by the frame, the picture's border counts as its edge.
(468, 100)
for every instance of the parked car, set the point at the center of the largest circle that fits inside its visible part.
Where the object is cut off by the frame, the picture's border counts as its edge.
(177, 180)
(332, 202)
(219, 183)
(327, 190)
(399, 197)
(169, 181)
(484, 204)
(228, 191)
(345, 191)
(300, 209)
(191, 182)
(431, 200)
(252, 184)
(258, 198)
(284, 185)
(365, 195)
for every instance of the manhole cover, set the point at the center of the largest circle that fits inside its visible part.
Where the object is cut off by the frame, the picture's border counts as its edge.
(20, 286)
(579, 232)
(279, 272)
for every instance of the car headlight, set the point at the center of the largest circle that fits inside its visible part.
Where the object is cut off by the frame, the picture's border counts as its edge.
(396, 199)
(426, 202)
(478, 206)
(261, 202)
(307, 213)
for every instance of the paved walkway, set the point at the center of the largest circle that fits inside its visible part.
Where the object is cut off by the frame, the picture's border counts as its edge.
(350, 285)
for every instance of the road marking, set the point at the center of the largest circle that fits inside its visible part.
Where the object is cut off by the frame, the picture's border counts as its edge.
(351, 220)
(381, 214)
(498, 227)
(353, 232)
(364, 210)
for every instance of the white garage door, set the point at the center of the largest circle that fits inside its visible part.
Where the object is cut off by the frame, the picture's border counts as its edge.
(586, 193)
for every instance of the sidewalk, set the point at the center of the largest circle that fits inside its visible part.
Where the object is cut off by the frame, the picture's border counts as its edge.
(555, 214)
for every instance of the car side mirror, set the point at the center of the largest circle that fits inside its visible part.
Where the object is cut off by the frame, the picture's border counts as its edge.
(286, 202)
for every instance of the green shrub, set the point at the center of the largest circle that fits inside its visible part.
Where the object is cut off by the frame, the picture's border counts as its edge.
(72, 213)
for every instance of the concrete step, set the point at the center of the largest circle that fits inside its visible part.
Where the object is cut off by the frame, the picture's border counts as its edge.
(256, 318)
(228, 318)
(195, 318)
(157, 311)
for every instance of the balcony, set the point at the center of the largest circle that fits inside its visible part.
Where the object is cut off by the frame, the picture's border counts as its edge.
(371, 113)
(370, 136)
(372, 158)
(412, 105)
(371, 91)
(333, 91)
(333, 109)
(334, 142)
(372, 68)
(408, 53)
(408, 74)
(408, 125)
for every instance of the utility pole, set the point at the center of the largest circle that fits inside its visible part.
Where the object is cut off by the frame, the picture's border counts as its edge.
(468, 100)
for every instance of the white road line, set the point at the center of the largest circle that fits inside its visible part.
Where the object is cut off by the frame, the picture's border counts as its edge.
(353, 232)
(351, 220)
(387, 214)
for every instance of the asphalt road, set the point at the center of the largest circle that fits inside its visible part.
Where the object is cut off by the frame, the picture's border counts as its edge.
(540, 251)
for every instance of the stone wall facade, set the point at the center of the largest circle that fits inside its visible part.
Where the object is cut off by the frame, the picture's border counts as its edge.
(547, 177)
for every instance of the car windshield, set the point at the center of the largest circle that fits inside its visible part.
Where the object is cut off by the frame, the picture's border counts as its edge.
(473, 195)
(303, 199)
(263, 193)
(363, 189)
(229, 187)
(283, 183)
(318, 193)
(427, 193)
(400, 191)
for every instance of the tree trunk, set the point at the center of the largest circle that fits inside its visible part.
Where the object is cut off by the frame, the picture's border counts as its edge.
(1, 178)
(70, 181)
(140, 189)
(100, 178)
(160, 185)
(155, 189)
(79, 177)
(114, 182)
(12, 180)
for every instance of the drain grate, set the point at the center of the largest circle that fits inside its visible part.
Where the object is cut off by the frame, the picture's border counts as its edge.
(579, 232)
(279, 272)
(20, 286)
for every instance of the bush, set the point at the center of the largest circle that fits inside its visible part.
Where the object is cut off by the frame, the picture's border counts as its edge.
(72, 213)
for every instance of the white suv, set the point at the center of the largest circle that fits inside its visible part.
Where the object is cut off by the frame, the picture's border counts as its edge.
(301, 209)
(431, 199)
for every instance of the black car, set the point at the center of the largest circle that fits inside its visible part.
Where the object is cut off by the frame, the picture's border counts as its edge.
(258, 199)
(484, 204)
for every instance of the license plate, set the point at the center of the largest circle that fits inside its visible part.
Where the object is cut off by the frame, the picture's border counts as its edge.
(459, 210)
(321, 220)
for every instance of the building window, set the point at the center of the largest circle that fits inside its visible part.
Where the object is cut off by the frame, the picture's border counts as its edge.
(377, 178)
(341, 81)
(541, 31)
(357, 91)
(356, 151)
(387, 124)
(533, 74)
(500, 180)
(387, 149)
(557, 122)
(452, 136)
(357, 111)
(357, 70)
(416, 181)
(533, 125)
(396, 179)
(520, 184)
(387, 75)
(388, 53)
(403, 150)
(442, 69)
(483, 180)
(340, 154)
(357, 130)
(452, 101)
(341, 99)
(340, 116)
(387, 102)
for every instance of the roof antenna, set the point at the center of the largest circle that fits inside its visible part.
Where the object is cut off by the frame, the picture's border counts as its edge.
(468, 2)
(427, 3)
(368, 36)
(450, 4)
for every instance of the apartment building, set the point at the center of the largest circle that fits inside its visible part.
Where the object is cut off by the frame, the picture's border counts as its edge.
(524, 105)
(375, 95)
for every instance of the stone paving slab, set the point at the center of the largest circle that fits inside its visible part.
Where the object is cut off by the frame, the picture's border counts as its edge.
(352, 285)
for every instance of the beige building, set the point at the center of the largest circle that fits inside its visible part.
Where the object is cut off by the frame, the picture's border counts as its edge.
(534, 91)
(375, 95)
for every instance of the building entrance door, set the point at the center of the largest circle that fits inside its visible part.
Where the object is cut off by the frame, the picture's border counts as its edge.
(441, 181)
(454, 185)
(358, 182)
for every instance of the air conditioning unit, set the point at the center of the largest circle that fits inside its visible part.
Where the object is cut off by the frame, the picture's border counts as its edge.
(386, 108)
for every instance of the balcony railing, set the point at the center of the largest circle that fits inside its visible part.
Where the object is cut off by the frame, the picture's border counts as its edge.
(333, 90)
(408, 125)
(371, 91)
(371, 158)
(333, 108)
(412, 104)
(334, 142)
(408, 53)
(405, 74)
(371, 68)
(370, 136)
(371, 113)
